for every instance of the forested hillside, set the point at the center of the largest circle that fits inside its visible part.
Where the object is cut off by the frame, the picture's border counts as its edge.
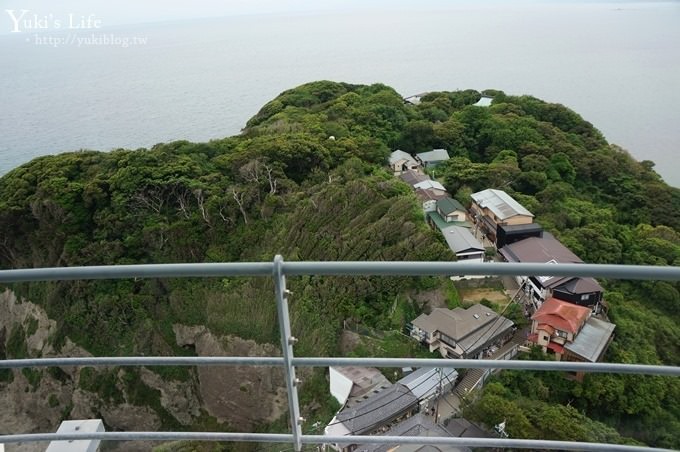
(305, 179)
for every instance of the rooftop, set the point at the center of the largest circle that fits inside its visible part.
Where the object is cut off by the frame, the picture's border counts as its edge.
(425, 194)
(548, 249)
(412, 177)
(400, 155)
(430, 184)
(460, 239)
(449, 205)
(424, 382)
(592, 340)
(417, 425)
(465, 326)
(442, 224)
(500, 203)
(378, 408)
(562, 315)
(435, 155)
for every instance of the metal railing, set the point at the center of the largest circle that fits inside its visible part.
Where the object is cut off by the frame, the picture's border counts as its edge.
(278, 270)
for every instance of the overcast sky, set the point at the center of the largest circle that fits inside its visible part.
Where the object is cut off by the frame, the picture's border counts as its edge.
(121, 12)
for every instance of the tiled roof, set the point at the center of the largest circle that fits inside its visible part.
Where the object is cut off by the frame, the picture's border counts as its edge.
(377, 409)
(561, 315)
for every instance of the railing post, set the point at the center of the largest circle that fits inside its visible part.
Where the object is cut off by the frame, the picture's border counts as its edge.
(287, 341)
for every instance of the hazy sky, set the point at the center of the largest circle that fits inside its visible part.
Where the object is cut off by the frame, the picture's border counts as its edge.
(134, 11)
(122, 12)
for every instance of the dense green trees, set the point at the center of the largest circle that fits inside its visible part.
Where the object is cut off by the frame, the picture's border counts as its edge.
(305, 179)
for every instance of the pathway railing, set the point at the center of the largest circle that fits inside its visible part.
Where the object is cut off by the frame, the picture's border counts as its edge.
(279, 270)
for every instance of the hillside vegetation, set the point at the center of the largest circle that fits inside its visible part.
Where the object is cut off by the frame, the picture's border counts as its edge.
(306, 179)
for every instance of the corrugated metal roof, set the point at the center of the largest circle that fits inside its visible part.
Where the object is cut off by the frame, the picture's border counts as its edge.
(500, 203)
(592, 340)
(429, 184)
(460, 239)
(435, 155)
(400, 155)
(425, 381)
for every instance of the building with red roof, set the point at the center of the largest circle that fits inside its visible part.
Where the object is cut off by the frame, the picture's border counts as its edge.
(570, 331)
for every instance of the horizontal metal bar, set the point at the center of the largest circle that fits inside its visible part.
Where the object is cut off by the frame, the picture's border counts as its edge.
(475, 442)
(489, 268)
(339, 269)
(149, 436)
(641, 369)
(321, 439)
(138, 271)
(567, 366)
(144, 361)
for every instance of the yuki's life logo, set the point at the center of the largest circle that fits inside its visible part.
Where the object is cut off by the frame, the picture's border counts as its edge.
(26, 20)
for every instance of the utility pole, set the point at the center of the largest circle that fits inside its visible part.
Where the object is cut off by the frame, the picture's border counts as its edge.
(439, 395)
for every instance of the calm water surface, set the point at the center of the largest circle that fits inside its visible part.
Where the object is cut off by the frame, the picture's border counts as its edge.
(617, 64)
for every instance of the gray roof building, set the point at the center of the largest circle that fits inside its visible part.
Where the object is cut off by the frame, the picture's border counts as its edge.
(465, 332)
(401, 155)
(425, 382)
(548, 249)
(413, 177)
(433, 157)
(461, 240)
(592, 340)
(377, 410)
(430, 184)
(500, 203)
(417, 425)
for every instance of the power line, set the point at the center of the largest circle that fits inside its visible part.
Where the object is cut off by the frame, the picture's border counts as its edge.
(499, 321)
(379, 406)
(417, 402)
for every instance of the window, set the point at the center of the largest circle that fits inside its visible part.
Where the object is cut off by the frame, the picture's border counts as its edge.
(561, 333)
(585, 297)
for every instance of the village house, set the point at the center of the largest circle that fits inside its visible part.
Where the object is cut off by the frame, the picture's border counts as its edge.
(413, 177)
(570, 332)
(401, 161)
(432, 158)
(547, 249)
(491, 208)
(464, 245)
(429, 198)
(378, 410)
(350, 384)
(507, 234)
(430, 383)
(462, 333)
(417, 425)
(451, 210)
(431, 185)
(373, 416)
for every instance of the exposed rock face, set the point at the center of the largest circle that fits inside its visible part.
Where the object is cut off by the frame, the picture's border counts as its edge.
(240, 396)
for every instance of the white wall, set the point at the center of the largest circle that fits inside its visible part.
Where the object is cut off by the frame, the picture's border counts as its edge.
(340, 386)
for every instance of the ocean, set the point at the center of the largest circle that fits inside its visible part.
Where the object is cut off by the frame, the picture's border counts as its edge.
(615, 63)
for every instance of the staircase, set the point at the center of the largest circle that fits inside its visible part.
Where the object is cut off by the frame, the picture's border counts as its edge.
(469, 381)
